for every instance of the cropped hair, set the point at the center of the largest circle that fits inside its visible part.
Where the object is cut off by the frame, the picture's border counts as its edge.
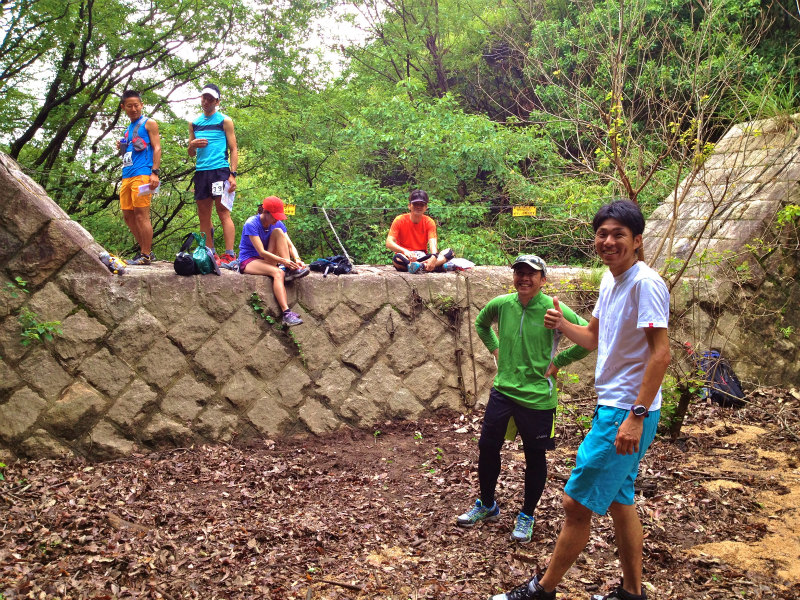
(626, 212)
(418, 195)
(130, 94)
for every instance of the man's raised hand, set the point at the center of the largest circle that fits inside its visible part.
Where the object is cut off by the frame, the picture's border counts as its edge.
(553, 316)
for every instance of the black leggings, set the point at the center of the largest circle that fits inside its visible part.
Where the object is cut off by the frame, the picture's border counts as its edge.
(534, 427)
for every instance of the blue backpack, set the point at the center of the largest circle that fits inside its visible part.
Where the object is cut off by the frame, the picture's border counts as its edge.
(338, 265)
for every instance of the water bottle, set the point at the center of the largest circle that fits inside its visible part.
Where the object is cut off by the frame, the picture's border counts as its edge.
(114, 264)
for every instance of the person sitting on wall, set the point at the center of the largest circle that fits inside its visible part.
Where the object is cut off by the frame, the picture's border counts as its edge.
(412, 237)
(267, 249)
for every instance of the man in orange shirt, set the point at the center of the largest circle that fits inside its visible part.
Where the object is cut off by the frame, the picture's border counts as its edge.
(412, 237)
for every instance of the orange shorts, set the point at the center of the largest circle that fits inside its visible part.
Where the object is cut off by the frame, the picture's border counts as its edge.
(129, 193)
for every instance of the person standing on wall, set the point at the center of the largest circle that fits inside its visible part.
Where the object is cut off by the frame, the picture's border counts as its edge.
(524, 388)
(213, 141)
(629, 330)
(141, 159)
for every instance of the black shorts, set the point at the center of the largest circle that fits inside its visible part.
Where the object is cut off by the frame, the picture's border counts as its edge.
(536, 427)
(209, 184)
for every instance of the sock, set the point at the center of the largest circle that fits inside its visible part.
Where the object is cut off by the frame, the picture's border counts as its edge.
(287, 311)
(230, 252)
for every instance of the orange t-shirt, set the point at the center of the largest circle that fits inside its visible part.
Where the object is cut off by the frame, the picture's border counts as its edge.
(413, 236)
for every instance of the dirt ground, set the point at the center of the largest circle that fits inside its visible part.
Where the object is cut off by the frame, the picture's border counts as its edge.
(371, 514)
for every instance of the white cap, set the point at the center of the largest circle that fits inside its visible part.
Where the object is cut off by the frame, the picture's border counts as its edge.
(211, 92)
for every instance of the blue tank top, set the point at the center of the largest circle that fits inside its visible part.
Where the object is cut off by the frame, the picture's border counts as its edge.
(215, 155)
(137, 163)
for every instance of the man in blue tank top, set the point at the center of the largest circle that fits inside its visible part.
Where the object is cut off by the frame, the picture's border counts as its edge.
(141, 158)
(213, 141)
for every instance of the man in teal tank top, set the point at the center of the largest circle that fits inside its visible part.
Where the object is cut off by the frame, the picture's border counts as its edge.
(213, 141)
(140, 149)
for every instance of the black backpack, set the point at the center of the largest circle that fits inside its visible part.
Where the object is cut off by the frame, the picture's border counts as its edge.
(184, 263)
(338, 265)
(722, 384)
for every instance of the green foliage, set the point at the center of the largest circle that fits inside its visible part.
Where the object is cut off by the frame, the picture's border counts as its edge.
(16, 286)
(485, 105)
(2, 478)
(788, 214)
(34, 330)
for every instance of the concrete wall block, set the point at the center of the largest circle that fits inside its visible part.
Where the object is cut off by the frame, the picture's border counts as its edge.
(10, 300)
(162, 363)
(105, 442)
(365, 295)
(44, 373)
(217, 358)
(170, 298)
(242, 389)
(41, 444)
(133, 407)
(424, 381)
(163, 431)
(80, 335)
(289, 384)
(379, 382)
(135, 336)
(361, 351)
(49, 250)
(320, 295)
(334, 385)
(50, 303)
(76, 411)
(318, 418)
(8, 379)
(106, 372)
(19, 413)
(193, 329)
(120, 299)
(406, 352)
(270, 354)
(24, 205)
(403, 405)
(186, 398)
(243, 330)
(268, 417)
(216, 423)
(222, 296)
(342, 323)
(361, 411)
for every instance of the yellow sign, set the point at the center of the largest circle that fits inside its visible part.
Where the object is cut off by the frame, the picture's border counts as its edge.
(288, 209)
(524, 211)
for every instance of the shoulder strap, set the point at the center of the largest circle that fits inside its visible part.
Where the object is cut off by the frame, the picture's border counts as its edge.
(141, 120)
(187, 242)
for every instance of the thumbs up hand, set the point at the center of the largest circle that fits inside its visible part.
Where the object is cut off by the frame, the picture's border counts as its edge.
(554, 316)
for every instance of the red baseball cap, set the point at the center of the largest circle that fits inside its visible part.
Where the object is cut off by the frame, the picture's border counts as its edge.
(274, 206)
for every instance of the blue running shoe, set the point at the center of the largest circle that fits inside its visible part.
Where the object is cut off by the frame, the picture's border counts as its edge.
(414, 267)
(523, 530)
(479, 513)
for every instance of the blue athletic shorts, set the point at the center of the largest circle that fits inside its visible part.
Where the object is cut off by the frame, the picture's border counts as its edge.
(601, 476)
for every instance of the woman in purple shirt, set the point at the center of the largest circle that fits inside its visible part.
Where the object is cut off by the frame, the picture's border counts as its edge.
(266, 249)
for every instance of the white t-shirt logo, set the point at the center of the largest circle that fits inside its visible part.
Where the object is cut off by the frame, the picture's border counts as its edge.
(127, 159)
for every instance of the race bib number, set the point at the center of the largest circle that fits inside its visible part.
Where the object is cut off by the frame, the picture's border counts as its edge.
(217, 188)
(127, 159)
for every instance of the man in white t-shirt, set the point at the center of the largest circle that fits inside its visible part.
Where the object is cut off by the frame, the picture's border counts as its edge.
(629, 330)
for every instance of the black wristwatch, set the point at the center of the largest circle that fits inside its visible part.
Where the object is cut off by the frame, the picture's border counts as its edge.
(233, 173)
(156, 172)
(639, 410)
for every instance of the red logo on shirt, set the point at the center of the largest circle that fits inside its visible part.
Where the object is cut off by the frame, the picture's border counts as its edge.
(649, 324)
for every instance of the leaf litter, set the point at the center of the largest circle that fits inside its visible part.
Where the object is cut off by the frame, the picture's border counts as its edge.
(360, 514)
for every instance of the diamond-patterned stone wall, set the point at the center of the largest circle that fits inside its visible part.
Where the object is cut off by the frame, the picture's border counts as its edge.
(739, 292)
(151, 359)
